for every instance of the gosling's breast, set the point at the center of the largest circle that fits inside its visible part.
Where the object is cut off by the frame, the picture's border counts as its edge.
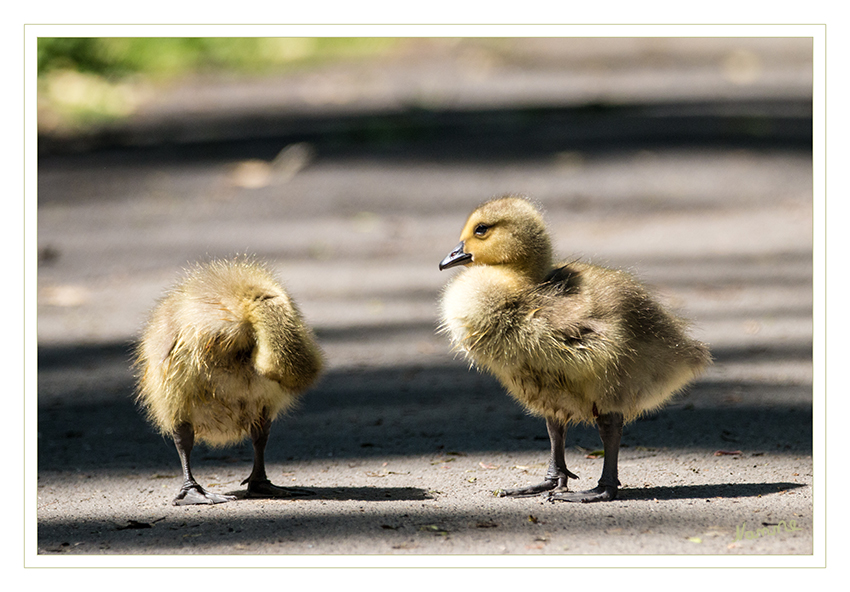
(482, 313)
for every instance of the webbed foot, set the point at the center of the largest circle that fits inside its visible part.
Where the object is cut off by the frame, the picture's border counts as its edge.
(529, 491)
(192, 494)
(600, 493)
(553, 481)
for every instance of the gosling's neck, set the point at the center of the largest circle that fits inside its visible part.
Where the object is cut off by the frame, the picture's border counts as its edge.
(532, 262)
(507, 279)
(529, 270)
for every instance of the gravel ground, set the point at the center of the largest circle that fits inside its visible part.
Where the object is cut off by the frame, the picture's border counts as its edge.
(401, 442)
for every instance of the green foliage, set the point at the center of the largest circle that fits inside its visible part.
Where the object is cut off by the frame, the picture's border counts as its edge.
(85, 81)
(163, 57)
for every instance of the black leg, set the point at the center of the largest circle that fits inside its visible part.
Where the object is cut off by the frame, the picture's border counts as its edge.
(610, 431)
(192, 493)
(258, 483)
(557, 475)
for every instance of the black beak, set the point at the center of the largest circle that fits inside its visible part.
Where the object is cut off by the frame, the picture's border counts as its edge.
(456, 257)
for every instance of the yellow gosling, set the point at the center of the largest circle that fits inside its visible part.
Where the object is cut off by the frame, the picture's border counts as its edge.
(224, 353)
(572, 342)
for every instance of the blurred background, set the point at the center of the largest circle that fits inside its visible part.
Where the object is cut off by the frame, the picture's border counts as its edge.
(351, 164)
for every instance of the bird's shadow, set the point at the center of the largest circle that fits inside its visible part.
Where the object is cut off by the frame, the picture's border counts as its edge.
(709, 491)
(363, 494)
(680, 492)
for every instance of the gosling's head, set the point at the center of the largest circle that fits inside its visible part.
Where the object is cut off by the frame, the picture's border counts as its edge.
(507, 231)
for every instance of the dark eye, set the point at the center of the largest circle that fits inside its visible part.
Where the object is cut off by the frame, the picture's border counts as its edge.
(481, 230)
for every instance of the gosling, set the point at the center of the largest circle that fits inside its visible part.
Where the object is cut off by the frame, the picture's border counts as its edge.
(224, 353)
(573, 343)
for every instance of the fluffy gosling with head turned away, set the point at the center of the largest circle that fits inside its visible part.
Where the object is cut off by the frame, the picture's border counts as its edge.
(224, 353)
(571, 342)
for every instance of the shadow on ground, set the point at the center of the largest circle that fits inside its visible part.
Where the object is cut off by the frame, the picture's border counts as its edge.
(360, 494)
(164, 534)
(89, 424)
(480, 134)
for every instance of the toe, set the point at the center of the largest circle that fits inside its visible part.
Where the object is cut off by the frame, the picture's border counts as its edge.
(529, 491)
(598, 494)
(198, 496)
